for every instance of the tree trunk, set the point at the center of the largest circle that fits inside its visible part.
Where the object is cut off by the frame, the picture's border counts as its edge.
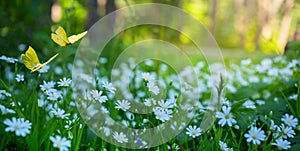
(213, 16)
(93, 15)
(239, 20)
(285, 25)
(110, 6)
(263, 17)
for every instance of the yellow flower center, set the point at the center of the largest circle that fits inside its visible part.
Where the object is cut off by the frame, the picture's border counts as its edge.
(58, 144)
(16, 127)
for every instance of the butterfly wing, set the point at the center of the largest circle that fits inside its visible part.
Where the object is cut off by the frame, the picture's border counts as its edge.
(30, 58)
(75, 38)
(42, 65)
(58, 40)
(27, 62)
(51, 58)
(60, 37)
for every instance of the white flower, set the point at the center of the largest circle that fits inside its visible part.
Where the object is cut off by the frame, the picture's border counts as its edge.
(97, 95)
(150, 102)
(123, 105)
(161, 114)
(140, 142)
(175, 147)
(164, 67)
(293, 97)
(5, 110)
(246, 62)
(109, 87)
(282, 144)
(42, 102)
(253, 79)
(273, 126)
(170, 103)
(19, 126)
(60, 113)
(148, 77)
(61, 143)
(149, 62)
(21, 47)
(86, 78)
(225, 117)
(284, 132)
(58, 70)
(273, 72)
(53, 94)
(106, 131)
(47, 85)
(193, 131)
(289, 120)
(249, 104)
(120, 137)
(231, 88)
(267, 62)
(224, 147)
(8, 59)
(153, 88)
(64, 82)
(19, 77)
(103, 60)
(260, 102)
(44, 69)
(255, 135)
(4, 94)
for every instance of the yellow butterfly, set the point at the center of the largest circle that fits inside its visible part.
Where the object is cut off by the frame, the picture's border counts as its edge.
(31, 61)
(60, 37)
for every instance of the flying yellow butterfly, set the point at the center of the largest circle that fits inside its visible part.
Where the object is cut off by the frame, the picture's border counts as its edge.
(31, 61)
(60, 37)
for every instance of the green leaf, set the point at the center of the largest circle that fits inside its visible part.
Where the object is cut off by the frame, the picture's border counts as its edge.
(238, 104)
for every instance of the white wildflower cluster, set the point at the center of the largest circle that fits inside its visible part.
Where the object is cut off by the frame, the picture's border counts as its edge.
(52, 97)
(9, 59)
(4, 94)
(282, 133)
(162, 94)
(51, 92)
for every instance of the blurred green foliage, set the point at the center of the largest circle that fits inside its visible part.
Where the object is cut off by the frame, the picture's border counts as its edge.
(29, 22)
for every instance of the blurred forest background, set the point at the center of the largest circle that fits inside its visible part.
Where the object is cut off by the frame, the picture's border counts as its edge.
(238, 25)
